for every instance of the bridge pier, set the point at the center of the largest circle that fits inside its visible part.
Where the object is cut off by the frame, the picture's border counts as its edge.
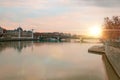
(81, 39)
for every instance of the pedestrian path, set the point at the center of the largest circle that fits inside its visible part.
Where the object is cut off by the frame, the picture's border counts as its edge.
(113, 55)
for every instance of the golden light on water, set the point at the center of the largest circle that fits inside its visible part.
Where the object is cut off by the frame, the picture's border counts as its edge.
(95, 31)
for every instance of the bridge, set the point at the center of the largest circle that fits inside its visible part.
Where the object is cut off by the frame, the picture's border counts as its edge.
(65, 37)
(52, 36)
(55, 37)
(89, 38)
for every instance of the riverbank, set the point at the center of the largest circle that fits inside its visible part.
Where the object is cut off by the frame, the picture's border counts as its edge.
(112, 75)
(112, 54)
(17, 39)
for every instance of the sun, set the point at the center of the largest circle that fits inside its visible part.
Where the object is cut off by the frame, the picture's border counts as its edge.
(95, 31)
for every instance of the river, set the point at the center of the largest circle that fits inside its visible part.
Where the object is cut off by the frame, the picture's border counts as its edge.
(50, 61)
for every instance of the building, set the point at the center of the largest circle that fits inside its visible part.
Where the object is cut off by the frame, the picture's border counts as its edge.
(16, 33)
(19, 33)
(2, 31)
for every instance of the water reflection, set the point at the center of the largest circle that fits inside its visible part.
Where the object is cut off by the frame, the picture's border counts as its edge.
(50, 61)
(111, 74)
(17, 45)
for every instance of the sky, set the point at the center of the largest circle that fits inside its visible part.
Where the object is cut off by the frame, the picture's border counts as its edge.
(71, 16)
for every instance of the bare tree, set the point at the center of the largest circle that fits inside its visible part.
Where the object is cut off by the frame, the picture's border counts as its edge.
(111, 28)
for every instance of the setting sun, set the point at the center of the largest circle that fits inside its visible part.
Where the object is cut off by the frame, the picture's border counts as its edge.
(95, 31)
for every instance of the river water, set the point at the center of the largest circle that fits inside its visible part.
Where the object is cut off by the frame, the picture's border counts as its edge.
(50, 61)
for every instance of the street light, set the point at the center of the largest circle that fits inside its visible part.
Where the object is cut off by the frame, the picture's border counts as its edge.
(19, 33)
(32, 33)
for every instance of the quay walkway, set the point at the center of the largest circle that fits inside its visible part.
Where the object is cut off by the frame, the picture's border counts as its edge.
(97, 49)
(113, 55)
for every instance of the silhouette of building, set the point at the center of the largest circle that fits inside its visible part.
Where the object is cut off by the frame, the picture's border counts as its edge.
(16, 33)
(2, 32)
(19, 32)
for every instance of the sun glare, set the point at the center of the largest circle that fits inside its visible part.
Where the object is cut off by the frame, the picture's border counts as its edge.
(95, 31)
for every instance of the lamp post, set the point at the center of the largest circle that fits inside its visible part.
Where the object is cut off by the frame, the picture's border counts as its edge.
(32, 34)
(19, 35)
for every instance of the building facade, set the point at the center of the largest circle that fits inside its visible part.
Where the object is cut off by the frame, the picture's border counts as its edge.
(19, 32)
(16, 33)
(2, 32)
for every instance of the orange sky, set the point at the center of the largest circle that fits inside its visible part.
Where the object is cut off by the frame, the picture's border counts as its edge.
(74, 16)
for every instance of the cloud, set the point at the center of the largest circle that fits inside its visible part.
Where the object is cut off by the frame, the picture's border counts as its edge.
(75, 21)
(100, 3)
(66, 22)
(107, 3)
(33, 4)
(18, 10)
(56, 15)
(24, 3)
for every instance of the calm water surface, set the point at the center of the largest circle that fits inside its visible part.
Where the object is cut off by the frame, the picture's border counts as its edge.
(50, 61)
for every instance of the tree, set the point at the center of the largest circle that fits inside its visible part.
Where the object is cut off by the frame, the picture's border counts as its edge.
(111, 28)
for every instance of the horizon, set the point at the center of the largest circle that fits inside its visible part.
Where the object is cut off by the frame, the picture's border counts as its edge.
(40, 32)
(75, 17)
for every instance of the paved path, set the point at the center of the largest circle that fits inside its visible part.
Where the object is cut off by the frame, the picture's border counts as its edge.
(113, 55)
(97, 49)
